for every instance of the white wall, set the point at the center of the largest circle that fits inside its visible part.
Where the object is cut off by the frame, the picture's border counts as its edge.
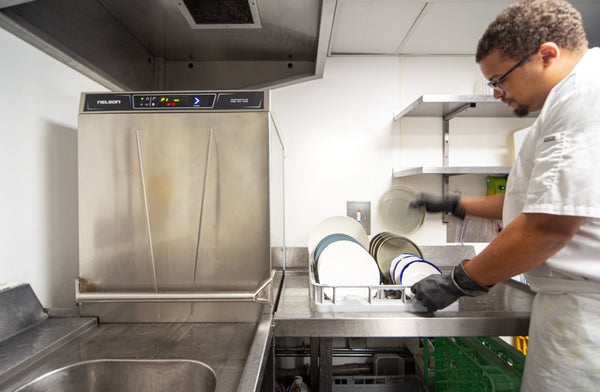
(342, 143)
(339, 139)
(38, 170)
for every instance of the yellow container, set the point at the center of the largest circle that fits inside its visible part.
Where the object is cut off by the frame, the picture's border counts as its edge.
(521, 343)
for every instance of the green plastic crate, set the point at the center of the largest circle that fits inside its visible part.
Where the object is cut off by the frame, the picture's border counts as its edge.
(465, 364)
(508, 353)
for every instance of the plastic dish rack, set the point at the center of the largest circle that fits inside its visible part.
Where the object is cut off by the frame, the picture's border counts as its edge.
(379, 298)
(468, 364)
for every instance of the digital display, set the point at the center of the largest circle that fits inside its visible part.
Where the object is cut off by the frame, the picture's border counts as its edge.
(240, 100)
(187, 101)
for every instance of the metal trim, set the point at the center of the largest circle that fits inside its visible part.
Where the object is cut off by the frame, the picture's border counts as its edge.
(98, 297)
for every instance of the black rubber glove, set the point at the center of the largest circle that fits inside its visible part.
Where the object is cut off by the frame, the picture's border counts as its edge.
(438, 291)
(432, 203)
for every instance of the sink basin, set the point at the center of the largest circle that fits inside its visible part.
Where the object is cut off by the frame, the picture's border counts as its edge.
(124, 375)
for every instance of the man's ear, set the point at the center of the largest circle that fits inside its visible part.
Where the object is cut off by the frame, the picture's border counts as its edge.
(549, 52)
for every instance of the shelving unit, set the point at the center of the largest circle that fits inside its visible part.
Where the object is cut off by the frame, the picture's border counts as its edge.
(450, 170)
(449, 107)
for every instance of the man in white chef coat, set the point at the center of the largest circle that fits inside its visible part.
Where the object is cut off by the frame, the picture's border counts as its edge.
(536, 57)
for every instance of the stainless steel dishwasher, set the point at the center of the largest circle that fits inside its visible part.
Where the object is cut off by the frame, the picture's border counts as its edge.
(180, 205)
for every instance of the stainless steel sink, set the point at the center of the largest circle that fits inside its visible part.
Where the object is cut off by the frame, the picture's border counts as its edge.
(77, 354)
(124, 375)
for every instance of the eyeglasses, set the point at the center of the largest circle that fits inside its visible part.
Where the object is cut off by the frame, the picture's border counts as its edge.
(496, 83)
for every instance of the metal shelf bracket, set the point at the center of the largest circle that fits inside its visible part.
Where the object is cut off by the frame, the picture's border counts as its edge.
(446, 148)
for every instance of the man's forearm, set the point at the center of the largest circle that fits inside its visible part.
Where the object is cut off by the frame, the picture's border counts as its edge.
(489, 207)
(523, 245)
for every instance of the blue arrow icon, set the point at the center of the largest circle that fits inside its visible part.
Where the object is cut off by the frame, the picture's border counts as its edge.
(196, 101)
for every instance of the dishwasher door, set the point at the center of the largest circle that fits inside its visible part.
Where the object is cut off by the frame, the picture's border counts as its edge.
(178, 202)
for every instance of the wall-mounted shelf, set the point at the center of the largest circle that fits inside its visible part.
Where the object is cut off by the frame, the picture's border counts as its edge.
(448, 107)
(450, 170)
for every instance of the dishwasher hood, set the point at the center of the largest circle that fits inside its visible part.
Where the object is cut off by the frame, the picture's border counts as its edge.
(179, 44)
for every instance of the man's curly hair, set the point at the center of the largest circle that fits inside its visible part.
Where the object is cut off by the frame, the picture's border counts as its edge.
(522, 27)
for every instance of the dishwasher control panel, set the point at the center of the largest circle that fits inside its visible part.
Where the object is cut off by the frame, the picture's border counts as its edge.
(221, 100)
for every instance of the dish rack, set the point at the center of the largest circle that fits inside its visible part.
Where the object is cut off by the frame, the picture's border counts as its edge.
(474, 364)
(378, 298)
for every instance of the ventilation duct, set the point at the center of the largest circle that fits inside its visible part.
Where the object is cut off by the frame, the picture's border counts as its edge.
(220, 14)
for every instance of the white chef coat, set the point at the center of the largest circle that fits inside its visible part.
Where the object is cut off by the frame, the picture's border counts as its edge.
(557, 172)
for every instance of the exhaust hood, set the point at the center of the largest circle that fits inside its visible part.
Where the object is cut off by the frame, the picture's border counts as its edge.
(179, 44)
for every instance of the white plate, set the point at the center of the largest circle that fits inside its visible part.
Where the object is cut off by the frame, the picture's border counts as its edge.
(398, 264)
(337, 224)
(395, 212)
(416, 271)
(346, 263)
(328, 240)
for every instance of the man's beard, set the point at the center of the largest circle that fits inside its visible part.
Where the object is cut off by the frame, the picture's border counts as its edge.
(522, 110)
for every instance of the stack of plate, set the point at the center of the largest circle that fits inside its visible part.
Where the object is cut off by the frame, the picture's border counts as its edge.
(337, 224)
(386, 246)
(407, 269)
(338, 249)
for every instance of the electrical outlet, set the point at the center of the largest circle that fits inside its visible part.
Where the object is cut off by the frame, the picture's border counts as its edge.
(361, 212)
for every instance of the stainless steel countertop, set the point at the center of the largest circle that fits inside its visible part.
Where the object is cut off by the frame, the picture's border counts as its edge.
(235, 351)
(505, 311)
(21, 350)
(224, 347)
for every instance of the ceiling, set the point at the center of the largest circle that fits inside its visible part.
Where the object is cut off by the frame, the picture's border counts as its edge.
(149, 44)
(439, 27)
